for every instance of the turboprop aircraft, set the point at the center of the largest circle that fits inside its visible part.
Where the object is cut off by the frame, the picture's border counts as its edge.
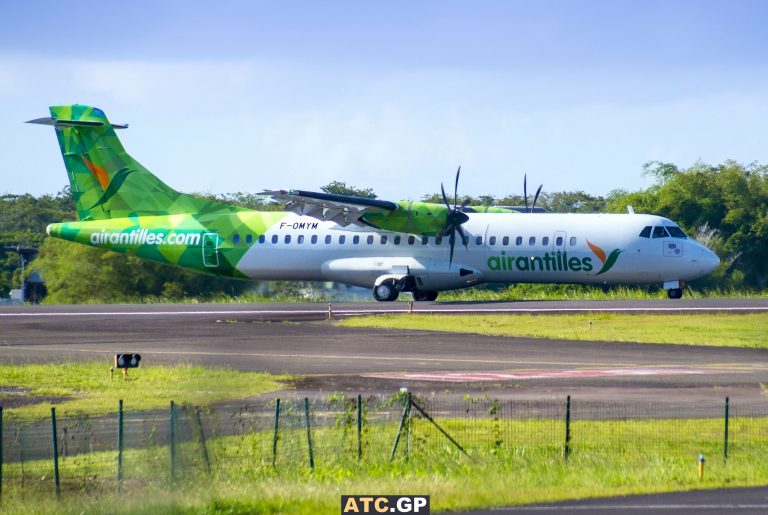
(390, 247)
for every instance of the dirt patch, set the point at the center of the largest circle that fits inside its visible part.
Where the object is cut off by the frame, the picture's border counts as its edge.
(16, 396)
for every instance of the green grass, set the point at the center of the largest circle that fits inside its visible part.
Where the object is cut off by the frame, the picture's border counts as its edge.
(518, 292)
(725, 330)
(518, 462)
(89, 388)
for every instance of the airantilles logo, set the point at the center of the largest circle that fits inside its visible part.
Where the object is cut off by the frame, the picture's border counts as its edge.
(554, 262)
(110, 188)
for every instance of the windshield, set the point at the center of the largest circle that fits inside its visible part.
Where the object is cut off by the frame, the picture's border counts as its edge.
(676, 232)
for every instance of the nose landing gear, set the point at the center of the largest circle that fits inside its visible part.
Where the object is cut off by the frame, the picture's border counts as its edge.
(675, 293)
(674, 289)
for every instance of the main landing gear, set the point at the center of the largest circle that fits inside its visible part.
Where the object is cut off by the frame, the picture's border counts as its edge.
(420, 296)
(386, 291)
(389, 289)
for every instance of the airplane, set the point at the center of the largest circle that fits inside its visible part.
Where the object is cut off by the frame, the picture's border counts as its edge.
(390, 247)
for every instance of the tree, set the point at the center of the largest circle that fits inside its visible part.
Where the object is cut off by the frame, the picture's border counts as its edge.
(341, 188)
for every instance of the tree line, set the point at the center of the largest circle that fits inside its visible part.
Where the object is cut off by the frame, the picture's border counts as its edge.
(725, 206)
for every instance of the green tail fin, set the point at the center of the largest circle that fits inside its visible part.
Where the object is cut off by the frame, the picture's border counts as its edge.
(106, 182)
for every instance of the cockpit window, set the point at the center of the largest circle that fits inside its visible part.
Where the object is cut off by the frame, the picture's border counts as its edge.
(676, 232)
(646, 232)
(659, 232)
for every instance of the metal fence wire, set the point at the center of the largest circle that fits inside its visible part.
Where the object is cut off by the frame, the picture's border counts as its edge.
(294, 436)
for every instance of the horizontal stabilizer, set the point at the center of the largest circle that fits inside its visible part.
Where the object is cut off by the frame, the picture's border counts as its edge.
(74, 123)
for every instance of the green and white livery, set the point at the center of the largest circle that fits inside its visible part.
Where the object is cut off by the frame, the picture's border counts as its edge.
(390, 247)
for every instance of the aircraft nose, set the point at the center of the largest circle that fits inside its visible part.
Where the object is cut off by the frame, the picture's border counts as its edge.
(710, 259)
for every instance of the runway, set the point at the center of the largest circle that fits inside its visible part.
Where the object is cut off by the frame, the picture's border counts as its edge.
(297, 339)
(319, 311)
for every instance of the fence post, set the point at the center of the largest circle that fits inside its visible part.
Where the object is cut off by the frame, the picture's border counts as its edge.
(725, 442)
(119, 444)
(277, 424)
(309, 433)
(55, 453)
(203, 446)
(406, 412)
(359, 426)
(567, 448)
(172, 440)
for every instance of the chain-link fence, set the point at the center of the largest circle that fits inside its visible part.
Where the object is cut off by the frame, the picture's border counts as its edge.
(342, 433)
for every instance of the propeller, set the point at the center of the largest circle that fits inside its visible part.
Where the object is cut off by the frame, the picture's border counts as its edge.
(455, 217)
(525, 194)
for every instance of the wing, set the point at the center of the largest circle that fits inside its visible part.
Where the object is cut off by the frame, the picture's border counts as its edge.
(342, 209)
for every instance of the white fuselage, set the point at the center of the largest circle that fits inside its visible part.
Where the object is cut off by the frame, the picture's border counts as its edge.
(510, 248)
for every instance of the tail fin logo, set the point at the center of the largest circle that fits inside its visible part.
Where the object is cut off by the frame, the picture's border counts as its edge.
(98, 172)
(110, 187)
(608, 261)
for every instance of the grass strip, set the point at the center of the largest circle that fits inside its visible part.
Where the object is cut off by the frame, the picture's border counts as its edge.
(719, 330)
(89, 388)
(616, 457)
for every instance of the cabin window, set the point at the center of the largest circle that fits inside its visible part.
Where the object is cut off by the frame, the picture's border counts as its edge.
(287, 238)
(249, 238)
(492, 240)
(519, 241)
(411, 240)
(532, 241)
(301, 239)
(676, 232)
(327, 239)
(573, 241)
(659, 232)
(369, 239)
(356, 239)
(397, 240)
(424, 240)
(559, 241)
(262, 238)
(384, 239)
(505, 240)
(545, 241)
(235, 238)
(342, 239)
(646, 232)
(274, 238)
(314, 239)
(478, 240)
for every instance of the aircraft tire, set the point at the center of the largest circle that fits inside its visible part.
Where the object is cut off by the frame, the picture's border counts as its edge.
(386, 291)
(675, 293)
(420, 296)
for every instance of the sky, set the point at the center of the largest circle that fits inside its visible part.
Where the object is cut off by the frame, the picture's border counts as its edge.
(244, 96)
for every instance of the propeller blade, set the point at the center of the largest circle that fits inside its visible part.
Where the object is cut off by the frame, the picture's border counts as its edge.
(525, 191)
(536, 197)
(452, 241)
(456, 188)
(445, 199)
(464, 238)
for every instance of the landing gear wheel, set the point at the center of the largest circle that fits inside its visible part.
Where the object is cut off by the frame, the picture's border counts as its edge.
(420, 296)
(386, 291)
(675, 293)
